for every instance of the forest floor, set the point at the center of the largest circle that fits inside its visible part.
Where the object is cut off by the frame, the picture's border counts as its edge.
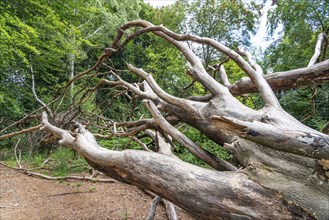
(26, 197)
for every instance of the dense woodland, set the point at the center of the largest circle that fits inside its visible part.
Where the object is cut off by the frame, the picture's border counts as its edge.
(74, 66)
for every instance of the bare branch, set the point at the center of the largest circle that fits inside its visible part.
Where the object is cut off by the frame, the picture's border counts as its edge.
(31, 129)
(264, 89)
(163, 146)
(325, 128)
(32, 115)
(170, 207)
(35, 94)
(133, 88)
(197, 68)
(223, 76)
(179, 102)
(19, 156)
(83, 142)
(153, 207)
(196, 150)
(322, 38)
(95, 32)
(313, 75)
(64, 136)
(170, 210)
(141, 143)
(261, 84)
(80, 178)
(205, 98)
(251, 60)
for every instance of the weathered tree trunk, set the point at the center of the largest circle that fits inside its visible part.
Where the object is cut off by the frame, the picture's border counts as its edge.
(211, 194)
(299, 179)
(284, 172)
(281, 179)
(312, 75)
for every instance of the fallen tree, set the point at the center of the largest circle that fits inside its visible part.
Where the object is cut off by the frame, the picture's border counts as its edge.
(284, 171)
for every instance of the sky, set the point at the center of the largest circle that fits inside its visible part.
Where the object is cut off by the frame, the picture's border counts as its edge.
(258, 41)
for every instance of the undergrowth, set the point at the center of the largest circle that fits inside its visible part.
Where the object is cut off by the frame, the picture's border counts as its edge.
(60, 162)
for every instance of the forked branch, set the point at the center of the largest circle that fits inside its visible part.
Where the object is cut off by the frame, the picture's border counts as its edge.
(195, 190)
(261, 84)
(175, 101)
(198, 70)
(209, 158)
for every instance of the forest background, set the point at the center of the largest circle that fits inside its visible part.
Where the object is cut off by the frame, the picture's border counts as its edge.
(43, 44)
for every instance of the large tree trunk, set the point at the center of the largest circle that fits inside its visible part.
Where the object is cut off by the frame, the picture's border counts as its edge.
(284, 164)
(207, 194)
(301, 181)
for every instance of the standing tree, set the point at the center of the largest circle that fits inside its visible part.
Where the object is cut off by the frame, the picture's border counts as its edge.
(283, 164)
(305, 25)
(236, 20)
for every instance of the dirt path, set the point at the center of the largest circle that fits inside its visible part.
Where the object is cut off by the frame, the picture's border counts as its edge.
(28, 198)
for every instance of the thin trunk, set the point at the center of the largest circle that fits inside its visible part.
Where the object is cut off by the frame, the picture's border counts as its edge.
(71, 77)
(34, 92)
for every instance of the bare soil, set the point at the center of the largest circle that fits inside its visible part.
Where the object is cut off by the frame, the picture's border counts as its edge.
(25, 197)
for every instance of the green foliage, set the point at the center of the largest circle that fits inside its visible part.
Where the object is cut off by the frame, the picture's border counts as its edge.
(61, 162)
(163, 60)
(312, 111)
(117, 143)
(205, 143)
(228, 22)
(92, 189)
(302, 21)
(36, 160)
(6, 155)
(155, 56)
(64, 162)
(26, 41)
(52, 37)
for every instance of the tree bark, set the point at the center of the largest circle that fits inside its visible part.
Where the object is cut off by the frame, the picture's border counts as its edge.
(312, 75)
(284, 173)
(207, 194)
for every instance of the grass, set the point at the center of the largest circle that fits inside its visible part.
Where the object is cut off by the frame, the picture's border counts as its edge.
(61, 161)
(92, 189)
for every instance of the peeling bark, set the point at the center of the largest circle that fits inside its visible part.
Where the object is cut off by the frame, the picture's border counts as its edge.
(304, 143)
(299, 179)
(205, 193)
